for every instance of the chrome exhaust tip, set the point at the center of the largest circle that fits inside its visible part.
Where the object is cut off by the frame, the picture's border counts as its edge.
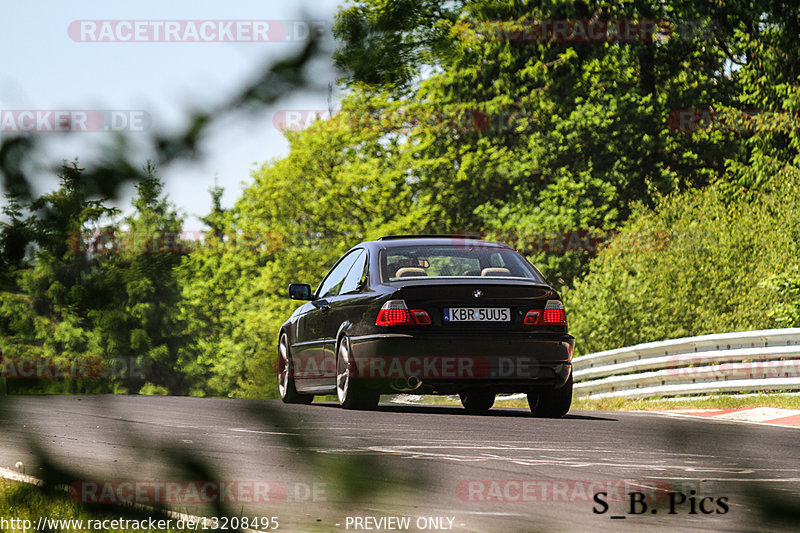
(406, 384)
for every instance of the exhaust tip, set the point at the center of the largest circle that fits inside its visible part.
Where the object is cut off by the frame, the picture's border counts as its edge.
(406, 384)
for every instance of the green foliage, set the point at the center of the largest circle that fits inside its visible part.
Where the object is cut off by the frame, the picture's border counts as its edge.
(448, 126)
(577, 133)
(765, 45)
(446, 131)
(113, 304)
(387, 41)
(153, 390)
(786, 288)
(704, 261)
(337, 187)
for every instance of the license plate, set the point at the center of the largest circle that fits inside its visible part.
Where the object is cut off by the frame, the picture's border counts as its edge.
(477, 314)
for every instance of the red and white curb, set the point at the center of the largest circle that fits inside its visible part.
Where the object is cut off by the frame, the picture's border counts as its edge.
(758, 415)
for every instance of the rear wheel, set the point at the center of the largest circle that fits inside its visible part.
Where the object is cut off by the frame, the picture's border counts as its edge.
(477, 402)
(551, 403)
(286, 386)
(351, 392)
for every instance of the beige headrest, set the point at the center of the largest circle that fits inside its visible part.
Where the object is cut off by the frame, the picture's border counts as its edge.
(495, 272)
(407, 272)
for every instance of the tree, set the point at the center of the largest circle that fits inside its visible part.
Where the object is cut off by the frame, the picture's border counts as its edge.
(701, 262)
(575, 132)
(140, 315)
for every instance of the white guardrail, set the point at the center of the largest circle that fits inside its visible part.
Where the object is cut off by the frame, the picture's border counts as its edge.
(746, 361)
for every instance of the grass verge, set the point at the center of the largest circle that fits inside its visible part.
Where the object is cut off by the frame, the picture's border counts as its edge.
(21, 502)
(781, 401)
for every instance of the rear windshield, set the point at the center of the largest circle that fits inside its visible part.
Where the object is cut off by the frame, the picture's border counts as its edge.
(455, 261)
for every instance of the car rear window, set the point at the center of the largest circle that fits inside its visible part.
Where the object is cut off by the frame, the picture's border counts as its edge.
(454, 261)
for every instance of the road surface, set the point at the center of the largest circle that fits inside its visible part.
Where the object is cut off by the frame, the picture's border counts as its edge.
(320, 468)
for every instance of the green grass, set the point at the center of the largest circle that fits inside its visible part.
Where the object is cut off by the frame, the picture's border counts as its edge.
(22, 501)
(783, 401)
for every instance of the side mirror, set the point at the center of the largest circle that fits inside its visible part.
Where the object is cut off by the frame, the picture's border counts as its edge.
(300, 291)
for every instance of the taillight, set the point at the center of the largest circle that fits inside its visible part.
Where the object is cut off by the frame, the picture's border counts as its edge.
(532, 317)
(554, 313)
(396, 313)
(421, 316)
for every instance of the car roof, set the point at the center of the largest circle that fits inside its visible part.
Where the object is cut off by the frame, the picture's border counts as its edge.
(398, 241)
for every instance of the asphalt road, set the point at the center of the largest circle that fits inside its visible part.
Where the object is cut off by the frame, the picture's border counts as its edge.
(436, 466)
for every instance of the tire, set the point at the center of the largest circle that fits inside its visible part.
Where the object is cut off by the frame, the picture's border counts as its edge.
(351, 393)
(477, 402)
(286, 386)
(551, 403)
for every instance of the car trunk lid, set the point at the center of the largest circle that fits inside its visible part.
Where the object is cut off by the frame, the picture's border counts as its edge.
(446, 301)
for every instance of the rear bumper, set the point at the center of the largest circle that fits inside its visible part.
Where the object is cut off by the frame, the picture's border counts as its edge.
(439, 364)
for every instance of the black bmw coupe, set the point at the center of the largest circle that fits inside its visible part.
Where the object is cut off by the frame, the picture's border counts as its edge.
(428, 315)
